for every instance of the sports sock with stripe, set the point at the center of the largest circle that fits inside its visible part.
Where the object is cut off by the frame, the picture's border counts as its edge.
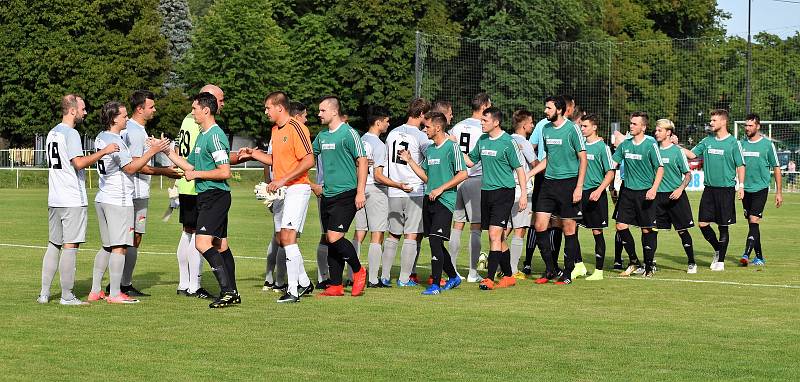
(626, 238)
(217, 264)
(710, 236)
(437, 258)
(530, 246)
(753, 236)
(649, 246)
(688, 246)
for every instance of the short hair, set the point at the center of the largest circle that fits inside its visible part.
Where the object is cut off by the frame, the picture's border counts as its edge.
(109, 111)
(437, 118)
(593, 118)
(206, 99)
(278, 98)
(495, 112)
(567, 98)
(577, 113)
(140, 97)
(520, 116)
(666, 124)
(558, 102)
(441, 106)
(720, 113)
(418, 107)
(643, 115)
(753, 117)
(334, 101)
(296, 108)
(69, 101)
(375, 114)
(479, 100)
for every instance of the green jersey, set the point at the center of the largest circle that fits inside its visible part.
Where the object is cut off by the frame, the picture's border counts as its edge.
(675, 166)
(498, 156)
(598, 156)
(642, 160)
(561, 146)
(338, 150)
(721, 157)
(442, 163)
(187, 137)
(760, 160)
(211, 150)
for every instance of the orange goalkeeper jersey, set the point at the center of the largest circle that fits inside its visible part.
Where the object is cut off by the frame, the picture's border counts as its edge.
(290, 144)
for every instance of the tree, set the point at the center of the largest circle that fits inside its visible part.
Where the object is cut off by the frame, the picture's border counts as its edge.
(176, 27)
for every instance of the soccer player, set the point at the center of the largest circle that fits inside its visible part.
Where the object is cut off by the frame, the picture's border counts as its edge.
(135, 136)
(67, 203)
(723, 165)
(565, 168)
(495, 150)
(521, 219)
(345, 176)
(442, 170)
(190, 261)
(636, 205)
(760, 157)
(468, 195)
(209, 164)
(405, 207)
(114, 202)
(672, 204)
(444, 107)
(594, 202)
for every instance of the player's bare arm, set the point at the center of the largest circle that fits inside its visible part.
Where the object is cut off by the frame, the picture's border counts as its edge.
(83, 162)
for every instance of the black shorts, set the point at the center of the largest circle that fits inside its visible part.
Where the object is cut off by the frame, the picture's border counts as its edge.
(595, 214)
(556, 198)
(188, 210)
(753, 203)
(212, 212)
(634, 209)
(538, 181)
(673, 213)
(436, 219)
(337, 212)
(496, 207)
(718, 205)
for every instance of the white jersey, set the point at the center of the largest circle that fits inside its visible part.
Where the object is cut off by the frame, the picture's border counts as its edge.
(376, 152)
(116, 187)
(67, 186)
(525, 154)
(467, 133)
(135, 136)
(405, 137)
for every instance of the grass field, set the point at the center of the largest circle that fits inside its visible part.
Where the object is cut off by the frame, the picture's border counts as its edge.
(741, 324)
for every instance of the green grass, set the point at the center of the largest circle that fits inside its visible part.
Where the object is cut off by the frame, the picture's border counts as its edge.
(616, 329)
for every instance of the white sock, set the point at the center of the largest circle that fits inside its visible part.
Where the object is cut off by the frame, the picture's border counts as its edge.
(293, 258)
(195, 266)
(517, 244)
(474, 250)
(183, 260)
(49, 268)
(374, 258)
(387, 259)
(116, 265)
(322, 263)
(99, 269)
(455, 246)
(407, 255)
(66, 270)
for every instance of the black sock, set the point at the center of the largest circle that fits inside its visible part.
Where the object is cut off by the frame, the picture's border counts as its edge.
(437, 258)
(626, 238)
(571, 250)
(494, 261)
(447, 263)
(505, 262)
(649, 245)
(723, 242)
(348, 253)
(530, 247)
(545, 250)
(335, 266)
(617, 248)
(556, 234)
(757, 245)
(688, 247)
(599, 251)
(230, 267)
(753, 236)
(217, 264)
(710, 236)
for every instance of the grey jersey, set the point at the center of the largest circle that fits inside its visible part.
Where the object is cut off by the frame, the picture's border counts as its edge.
(376, 152)
(467, 133)
(116, 187)
(525, 154)
(135, 137)
(67, 186)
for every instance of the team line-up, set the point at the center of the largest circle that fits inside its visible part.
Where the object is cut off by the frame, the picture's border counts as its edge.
(425, 180)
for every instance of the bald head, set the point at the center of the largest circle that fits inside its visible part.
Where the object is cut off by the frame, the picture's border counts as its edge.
(217, 93)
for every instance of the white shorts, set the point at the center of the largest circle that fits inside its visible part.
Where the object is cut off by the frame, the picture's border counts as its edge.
(116, 224)
(374, 217)
(290, 213)
(468, 201)
(405, 215)
(520, 219)
(140, 215)
(67, 225)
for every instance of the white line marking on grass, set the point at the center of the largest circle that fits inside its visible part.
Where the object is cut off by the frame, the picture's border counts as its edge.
(712, 282)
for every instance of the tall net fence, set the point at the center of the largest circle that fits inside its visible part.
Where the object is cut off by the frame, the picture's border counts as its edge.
(682, 80)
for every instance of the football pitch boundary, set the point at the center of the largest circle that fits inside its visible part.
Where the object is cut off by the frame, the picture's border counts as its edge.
(732, 283)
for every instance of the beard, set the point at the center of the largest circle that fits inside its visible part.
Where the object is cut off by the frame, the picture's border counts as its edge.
(553, 118)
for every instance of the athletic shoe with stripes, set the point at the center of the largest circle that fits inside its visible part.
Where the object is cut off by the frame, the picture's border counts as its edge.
(121, 298)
